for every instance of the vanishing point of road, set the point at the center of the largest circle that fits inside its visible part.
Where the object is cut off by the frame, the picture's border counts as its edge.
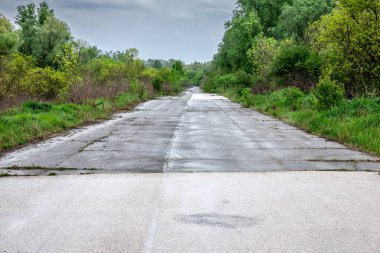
(193, 173)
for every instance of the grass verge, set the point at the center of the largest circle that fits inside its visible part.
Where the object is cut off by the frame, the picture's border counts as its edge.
(355, 122)
(35, 120)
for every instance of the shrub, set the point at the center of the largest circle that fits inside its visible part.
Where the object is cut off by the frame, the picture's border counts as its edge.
(328, 94)
(157, 83)
(292, 95)
(105, 71)
(297, 65)
(239, 79)
(43, 82)
(138, 88)
(246, 97)
(37, 106)
(13, 70)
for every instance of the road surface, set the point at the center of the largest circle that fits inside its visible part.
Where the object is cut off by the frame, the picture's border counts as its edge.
(194, 173)
(195, 132)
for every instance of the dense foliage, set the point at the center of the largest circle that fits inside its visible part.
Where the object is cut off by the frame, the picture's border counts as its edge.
(300, 43)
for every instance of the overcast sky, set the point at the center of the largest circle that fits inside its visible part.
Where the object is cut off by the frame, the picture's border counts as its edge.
(182, 29)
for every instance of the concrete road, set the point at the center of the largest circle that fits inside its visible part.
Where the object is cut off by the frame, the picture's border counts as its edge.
(296, 201)
(192, 212)
(195, 132)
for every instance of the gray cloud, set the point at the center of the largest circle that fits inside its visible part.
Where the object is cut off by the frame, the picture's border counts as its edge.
(110, 4)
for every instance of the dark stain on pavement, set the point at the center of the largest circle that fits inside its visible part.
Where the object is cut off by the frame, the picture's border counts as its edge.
(219, 220)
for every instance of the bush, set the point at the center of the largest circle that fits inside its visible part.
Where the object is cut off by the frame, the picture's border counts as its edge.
(297, 65)
(14, 69)
(246, 97)
(328, 94)
(138, 88)
(105, 71)
(239, 79)
(37, 106)
(43, 82)
(292, 95)
(157, 83)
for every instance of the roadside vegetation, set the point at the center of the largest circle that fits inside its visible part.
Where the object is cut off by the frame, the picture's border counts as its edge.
(313, 63)
(50, 81)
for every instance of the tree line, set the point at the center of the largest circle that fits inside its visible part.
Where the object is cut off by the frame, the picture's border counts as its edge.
(323, 46)
(41, 60)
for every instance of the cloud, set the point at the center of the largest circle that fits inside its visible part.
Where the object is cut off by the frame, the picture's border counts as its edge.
(217, 4)
(110, 4)
(215, 8)
(182, 15)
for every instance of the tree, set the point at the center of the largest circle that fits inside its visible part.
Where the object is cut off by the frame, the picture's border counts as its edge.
(43, 12)
(85, 52)
(8, 38)
(295, 18)
(157, 64)
(27, 20)
(178, 67)
(42, 34)
(349, 38)
(268, 11)
(50, 40)
(237, 40)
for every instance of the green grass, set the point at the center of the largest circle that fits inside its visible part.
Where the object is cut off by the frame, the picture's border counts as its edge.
(353, 122)
(36, 120)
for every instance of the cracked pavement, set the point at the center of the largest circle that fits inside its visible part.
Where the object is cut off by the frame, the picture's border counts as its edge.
(194, 132)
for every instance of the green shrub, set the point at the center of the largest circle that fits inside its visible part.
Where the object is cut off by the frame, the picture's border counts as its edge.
(138, 88)
(37, 106)
(239, 79)
(246, 97)
(292, 95)
(297, 65)
(14, 69)
(43, 82)
(328, 94)
(105, 71)
(158, 83)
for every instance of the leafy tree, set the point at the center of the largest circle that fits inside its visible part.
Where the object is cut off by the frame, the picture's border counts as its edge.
(50, 40)
(237, 40)
(85, 52)
(42, 34)
(178, 67)
(157, 64)
(349, 38)
(268, 11)
(295, 18)
(27, 20)
(8, 38)
(43, 12)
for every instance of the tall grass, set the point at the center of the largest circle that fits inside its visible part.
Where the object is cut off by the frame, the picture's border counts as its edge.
(353, 122)
(34, 120)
